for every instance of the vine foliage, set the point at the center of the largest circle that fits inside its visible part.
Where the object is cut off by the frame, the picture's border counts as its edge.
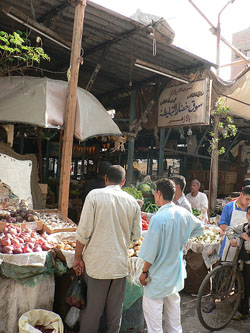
(221, 118)
(17, 54)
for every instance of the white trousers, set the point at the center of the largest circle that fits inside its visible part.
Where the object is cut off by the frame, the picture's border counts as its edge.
(166, 311)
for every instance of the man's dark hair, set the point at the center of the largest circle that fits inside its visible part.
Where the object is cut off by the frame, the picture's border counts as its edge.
(246, 190)
(248, 208)
(246, 182)
(104, 168)
(166, 187)
(179, 180)
(116, 174)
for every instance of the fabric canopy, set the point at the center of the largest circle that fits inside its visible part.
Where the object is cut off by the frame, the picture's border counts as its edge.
(42, 102)
(236, 93)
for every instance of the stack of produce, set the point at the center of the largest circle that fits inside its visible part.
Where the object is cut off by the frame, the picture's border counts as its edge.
(147, 189)
(67, 245)
(149, 207)
(135, 248)
(134, 192)
(15, 241)
(145, 222)
(210, 236)
(53, 222)
(196, 212)
(18, 216)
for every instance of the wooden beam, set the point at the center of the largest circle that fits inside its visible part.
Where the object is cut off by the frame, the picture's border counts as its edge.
(69, 123)
(35, 26)
(201, 140)
(160, 69)
(54, 12)
(118, 38)
(97, 69)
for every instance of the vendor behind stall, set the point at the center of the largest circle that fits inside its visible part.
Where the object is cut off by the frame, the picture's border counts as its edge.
(232, 214)
(197, 199)
(96, 182)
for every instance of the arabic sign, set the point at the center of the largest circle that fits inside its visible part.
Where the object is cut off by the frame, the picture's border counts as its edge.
(185, 105)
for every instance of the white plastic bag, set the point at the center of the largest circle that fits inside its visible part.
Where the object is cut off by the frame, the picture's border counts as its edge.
(30, 319)
(72, 317)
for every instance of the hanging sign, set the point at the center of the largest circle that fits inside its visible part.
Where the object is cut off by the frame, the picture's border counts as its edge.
(185, 105)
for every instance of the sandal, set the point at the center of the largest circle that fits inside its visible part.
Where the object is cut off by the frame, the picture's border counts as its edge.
(240, 316)
(209, 307)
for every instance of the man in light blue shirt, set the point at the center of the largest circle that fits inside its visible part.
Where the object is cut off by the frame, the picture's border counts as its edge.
(161, 250)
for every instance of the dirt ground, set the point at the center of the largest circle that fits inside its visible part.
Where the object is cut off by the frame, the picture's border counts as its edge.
(191, 324)
(190, 321)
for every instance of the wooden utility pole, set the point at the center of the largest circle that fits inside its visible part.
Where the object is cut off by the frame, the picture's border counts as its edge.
(69, 123)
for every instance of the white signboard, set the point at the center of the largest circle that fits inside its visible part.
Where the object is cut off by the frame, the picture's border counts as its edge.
(185, 105)
(17, 174)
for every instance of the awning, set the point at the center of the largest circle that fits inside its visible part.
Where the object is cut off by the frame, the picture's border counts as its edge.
(236, 94)
(42, 102)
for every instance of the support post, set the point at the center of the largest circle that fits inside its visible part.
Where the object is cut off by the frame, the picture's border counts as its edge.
(161, 152)
(70, 108)
(131, 140)
(163, 141)
(40, 154)
(213, 179)
(47, 160)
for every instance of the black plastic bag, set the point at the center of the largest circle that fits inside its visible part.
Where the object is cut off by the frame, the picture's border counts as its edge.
(77, 292)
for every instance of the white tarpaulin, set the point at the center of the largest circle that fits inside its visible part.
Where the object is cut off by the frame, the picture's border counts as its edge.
(240, 93)
(236, 93)
(42, 102)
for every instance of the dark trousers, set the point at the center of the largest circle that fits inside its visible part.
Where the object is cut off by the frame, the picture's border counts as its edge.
(244, 304)
(103, 296)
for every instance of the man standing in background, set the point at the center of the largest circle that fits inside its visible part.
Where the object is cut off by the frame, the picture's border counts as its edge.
(98, 181)
(179, 197)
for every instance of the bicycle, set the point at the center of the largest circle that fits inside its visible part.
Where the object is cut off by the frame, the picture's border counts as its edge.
(224, 288)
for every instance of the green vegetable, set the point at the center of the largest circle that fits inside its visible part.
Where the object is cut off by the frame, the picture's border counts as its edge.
(134, 192)
(196, 212)
(144, 188)
(150, 207)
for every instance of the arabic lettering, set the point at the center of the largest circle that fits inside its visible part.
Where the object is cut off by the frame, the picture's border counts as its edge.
(185, 119)
(168, 100)
(195, 94)
(180, 90)
(177, 108)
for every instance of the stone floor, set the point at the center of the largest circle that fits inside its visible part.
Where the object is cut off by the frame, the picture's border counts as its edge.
(191, 324)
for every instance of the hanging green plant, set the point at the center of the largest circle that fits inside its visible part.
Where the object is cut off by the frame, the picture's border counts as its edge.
(17, 54)
(221, 118)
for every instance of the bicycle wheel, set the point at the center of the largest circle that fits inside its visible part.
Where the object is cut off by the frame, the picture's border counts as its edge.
(225, 290)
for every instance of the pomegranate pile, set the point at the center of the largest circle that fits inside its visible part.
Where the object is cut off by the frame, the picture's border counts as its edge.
(13, 240)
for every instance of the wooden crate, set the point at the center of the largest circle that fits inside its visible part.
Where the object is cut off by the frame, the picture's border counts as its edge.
(226, 189)
(231, 177)
(38, 225)
(48, 230)
(3, 225)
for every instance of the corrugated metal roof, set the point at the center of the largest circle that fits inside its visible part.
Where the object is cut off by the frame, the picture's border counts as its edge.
(102, 27)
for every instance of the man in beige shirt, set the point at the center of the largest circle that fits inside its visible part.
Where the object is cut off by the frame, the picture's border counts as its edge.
(109, 222)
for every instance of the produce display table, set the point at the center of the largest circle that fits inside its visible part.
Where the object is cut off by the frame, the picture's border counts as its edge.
(201, 254)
